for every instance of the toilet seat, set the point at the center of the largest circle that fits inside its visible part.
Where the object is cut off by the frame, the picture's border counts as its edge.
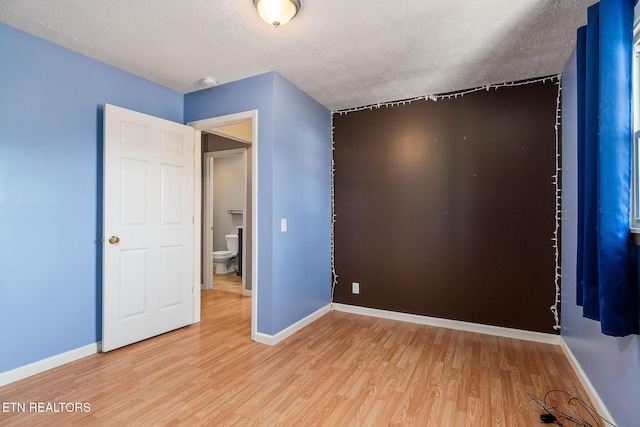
(223, 253)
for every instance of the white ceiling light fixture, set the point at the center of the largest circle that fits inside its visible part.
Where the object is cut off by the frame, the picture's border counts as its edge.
(277, 12)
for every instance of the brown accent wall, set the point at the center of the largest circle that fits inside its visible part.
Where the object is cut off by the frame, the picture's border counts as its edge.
(446, 208)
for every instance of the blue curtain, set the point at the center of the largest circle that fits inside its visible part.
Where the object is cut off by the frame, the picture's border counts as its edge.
(607, 287)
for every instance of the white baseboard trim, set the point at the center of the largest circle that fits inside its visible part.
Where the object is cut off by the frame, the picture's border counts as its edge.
(452, 324)
(598, 404)
(34, 368)
(287, 332)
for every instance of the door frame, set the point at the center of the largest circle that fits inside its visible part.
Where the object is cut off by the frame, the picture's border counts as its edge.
(209, 123)
(207, 241)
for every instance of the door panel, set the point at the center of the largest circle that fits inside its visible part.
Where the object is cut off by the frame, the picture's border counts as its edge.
(171, 179)
(148, 207)
(134, 193)
(133, 282)
(171, 265)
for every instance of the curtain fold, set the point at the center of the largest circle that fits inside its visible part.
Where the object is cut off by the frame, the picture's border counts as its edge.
(607, 288)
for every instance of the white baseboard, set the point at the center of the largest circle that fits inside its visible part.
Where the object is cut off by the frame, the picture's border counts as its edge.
(452, 324)
(598, 404)
(34, 368)
(287, 332)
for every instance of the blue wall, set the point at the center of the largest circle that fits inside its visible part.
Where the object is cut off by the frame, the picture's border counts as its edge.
(612, 364)
(51, 102)
(294, 182)
(51, 106)
(302, 194)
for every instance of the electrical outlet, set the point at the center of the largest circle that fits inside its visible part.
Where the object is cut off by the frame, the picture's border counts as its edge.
(355, 287)
(283, 225)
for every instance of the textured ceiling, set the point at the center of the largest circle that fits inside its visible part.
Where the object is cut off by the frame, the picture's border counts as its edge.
(344, 53)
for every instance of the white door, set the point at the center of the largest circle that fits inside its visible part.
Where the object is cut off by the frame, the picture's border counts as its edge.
(148, 249)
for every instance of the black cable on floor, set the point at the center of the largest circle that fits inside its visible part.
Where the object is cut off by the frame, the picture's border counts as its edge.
(576, 407)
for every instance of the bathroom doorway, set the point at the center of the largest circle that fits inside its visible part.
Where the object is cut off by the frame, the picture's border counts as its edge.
(224, 208)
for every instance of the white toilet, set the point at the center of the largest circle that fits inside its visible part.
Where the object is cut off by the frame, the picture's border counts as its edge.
(224, 261)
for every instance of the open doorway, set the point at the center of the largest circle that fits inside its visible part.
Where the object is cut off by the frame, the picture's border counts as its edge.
(237, 132)
(225, 174)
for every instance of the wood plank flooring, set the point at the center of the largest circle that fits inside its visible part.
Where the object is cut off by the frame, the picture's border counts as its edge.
(342, 370)
(229, 282)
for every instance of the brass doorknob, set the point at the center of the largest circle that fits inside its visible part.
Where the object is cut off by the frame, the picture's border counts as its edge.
(114, 240)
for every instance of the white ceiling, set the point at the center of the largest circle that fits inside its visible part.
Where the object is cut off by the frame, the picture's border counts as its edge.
(344, 53)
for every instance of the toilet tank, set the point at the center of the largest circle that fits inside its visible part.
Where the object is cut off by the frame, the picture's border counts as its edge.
(232, 242)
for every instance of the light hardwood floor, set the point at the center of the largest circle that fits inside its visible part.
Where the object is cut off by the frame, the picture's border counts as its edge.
(342, 370)
(229, 282)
